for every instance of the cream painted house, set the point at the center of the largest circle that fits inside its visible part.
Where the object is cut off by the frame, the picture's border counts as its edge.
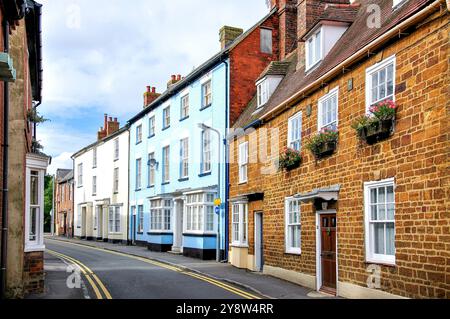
(101, 186)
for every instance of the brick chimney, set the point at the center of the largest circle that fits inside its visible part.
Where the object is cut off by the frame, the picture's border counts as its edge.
(287, 13)
(308, 11)
(173, 80)
(110, 127)
(228, 35)
(150, 95)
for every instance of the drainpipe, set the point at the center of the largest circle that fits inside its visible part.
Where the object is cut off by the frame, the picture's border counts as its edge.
(227, 165)
(4, 243)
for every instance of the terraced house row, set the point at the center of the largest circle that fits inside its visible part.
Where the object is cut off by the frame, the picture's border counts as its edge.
(313, 147)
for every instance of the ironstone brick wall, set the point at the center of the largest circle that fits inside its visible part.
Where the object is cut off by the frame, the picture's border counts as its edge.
(416, 156)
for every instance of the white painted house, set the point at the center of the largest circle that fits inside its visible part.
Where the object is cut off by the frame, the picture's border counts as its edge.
(101, 186)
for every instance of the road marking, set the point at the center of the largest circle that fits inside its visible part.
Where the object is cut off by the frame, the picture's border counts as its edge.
(87, 273)
(209, 280)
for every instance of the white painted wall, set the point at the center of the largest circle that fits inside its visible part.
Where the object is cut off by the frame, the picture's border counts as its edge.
(105, 184)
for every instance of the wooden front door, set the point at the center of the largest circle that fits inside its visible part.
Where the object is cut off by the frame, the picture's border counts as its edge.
(328, 252)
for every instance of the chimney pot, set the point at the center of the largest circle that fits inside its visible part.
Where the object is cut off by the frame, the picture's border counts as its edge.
(178, 77)
(153, 90)
(174, 77)
(115, 119)
(110, 119)
(148, 88)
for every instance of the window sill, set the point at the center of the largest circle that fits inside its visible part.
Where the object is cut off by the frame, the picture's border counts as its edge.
(115, 234)
(293, 252)
(116, 159)
(380, 262)
(312, 67)
(140, 233)
(151, 186)
(166, 128)
(239, 245)
(137, 143)
(165, 183)
(160, 232)
(204, 174)
(184, 118)
(243, 183)
(184, 179)
(205, 107)
(115, 193)
(138, 189)
(34, 248)
(150, 136)
(199, 234)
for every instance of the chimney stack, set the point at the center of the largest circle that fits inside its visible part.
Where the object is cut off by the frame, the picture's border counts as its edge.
(228, 35)
(110, 127)
(150, 96)
(173, 80)
(287, 12)
(308, 11)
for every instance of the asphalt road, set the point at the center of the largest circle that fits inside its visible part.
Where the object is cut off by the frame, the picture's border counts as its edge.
(126, 277)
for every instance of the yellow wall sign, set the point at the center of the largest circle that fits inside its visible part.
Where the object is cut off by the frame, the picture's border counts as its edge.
(217, 202)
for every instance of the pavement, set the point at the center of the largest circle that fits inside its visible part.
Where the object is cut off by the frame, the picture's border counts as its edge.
(57, 272)
(257, 283)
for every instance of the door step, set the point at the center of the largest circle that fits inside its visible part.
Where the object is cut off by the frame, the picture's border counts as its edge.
(328, 291)
(175, 252)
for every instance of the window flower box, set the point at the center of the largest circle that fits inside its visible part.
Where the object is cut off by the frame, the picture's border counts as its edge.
(290, 159)
(379, 126)
(324, 143)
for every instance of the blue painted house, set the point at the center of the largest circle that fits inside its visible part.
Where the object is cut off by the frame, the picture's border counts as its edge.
(178, 152)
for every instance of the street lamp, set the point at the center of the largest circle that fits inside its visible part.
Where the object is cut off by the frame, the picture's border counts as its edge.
(205, 127)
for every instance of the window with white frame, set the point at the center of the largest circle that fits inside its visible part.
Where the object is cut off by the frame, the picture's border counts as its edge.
(160, 214)
(379, 205)
(35, 207)
(262, 92)
(314, 49)
(80, 175)
(239, 224)
(206, 94)
(114, 219)
(151, 126)
(206, 152)
(96, 215)
(116, 180)
(184, 158)
(200, 212)
(295, 132)
(185, 106)
(293, 226)
(328, 110)
(138, 173)
(266, 41)
(380, 82)
(94, 185)
(94, 157)
(243, 162)
(140, 218)
(166, 117)
(116, 149)
(139, 134)
(166, 164)
(151, 170)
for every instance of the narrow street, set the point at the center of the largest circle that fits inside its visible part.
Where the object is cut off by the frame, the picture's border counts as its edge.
(112, 275)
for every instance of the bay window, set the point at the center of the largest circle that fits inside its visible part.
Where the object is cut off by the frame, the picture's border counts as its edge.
(379, 205)
(239, 224)
(160, 215)
(200, 212)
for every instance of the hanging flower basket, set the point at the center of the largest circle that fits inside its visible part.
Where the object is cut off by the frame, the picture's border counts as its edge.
(290, 159)
(324, 143)
(379, 126)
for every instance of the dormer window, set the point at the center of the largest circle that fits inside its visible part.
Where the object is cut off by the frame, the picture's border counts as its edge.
(265, 88)
(314, 49)
(263, 92)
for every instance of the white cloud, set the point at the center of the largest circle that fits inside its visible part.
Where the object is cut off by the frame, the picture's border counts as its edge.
(99, 55)
(62, 161)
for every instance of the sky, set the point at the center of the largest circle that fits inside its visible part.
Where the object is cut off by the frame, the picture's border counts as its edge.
(100, 55)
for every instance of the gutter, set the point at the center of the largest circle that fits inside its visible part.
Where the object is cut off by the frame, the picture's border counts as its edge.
(353, 58)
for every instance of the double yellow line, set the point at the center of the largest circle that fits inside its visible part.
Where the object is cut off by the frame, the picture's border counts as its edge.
(209, 280)
(88, 273)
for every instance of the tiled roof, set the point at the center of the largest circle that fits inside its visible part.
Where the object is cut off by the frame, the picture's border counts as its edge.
(61, 173)
(275, 68)
(355, 38)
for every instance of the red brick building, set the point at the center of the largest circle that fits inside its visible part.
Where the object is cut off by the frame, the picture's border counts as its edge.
(22, 244)
(64, 182)
(364, 214)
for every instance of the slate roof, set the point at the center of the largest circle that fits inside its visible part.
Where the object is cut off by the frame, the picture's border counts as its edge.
(355, 38)
(62, 173)
(67, 177)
